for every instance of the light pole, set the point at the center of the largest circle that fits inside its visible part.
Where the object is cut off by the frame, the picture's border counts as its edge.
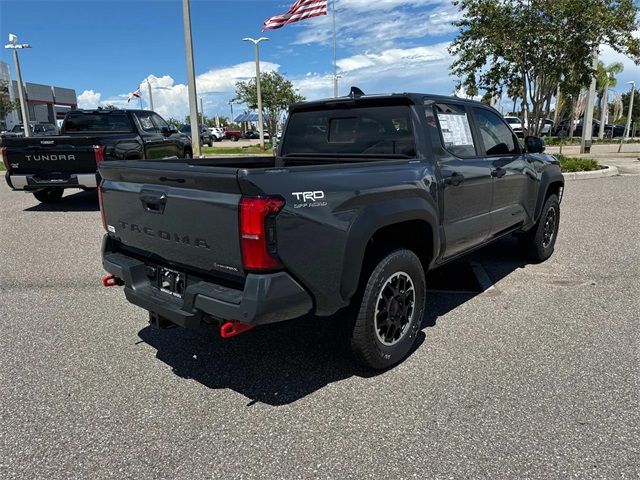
(627, 130)
(150, 95)
(604, 106)
(587, 124)
(232, 120)
(201, 111)
(629, 112)
(260, 118)
(191, 76)
(15, 46)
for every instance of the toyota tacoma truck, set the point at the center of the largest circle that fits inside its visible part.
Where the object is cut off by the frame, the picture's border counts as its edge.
(366, 195)
(46, 165)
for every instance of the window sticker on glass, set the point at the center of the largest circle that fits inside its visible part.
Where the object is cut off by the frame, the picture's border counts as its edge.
(455, 129)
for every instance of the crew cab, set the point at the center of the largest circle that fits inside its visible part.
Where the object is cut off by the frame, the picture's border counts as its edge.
(46, 165)
(366, 195)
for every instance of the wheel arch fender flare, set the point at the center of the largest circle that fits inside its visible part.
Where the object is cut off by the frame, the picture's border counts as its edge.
(375, 217)
(549, 177)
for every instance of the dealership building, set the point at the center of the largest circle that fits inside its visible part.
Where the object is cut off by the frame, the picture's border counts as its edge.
(45, 103)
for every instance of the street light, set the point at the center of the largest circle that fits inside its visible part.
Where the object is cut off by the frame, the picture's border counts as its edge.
(191, 76)
(629, 112)
(260, 119)
(627, 130)
(15, 46)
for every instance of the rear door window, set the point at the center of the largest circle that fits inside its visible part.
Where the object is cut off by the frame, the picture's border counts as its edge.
(97, 122)
(380, 130)
(145, 121)
(455, 130)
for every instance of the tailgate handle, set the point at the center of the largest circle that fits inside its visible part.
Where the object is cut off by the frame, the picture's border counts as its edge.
(153, 202)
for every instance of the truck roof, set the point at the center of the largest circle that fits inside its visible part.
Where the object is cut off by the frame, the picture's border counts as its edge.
(406, 98)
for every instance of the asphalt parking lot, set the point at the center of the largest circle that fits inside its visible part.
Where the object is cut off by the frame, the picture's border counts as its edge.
(538, 377)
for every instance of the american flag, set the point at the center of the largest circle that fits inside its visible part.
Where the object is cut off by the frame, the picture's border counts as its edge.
(133, 95)
(301, 10)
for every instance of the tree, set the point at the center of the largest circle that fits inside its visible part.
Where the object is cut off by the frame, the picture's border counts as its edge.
(277, 94)
(635, 114)
(606, 78)
(6, 104)
(174, 121)
(547, 42)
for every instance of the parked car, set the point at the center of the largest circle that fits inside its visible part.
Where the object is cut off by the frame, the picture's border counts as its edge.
(46, 165)
(39, 129)
(205, 135)
(232, 134)
(253, 135)
(610, 131)
(217, 133)
(516, 124)
(366, 195)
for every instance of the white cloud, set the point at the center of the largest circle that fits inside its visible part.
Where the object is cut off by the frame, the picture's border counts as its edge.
(381, 24)
(170, 99)
(421, 69)
(631, 71)
(89, 99)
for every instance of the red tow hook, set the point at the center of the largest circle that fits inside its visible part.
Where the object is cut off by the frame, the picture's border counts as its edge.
(111, 281)
(233, 328)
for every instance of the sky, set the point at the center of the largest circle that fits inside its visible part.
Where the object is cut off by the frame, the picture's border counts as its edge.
(105, 49)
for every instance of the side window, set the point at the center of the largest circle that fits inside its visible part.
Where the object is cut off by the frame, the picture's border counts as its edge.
(145, 122)
(455, 130)
(159, 122)
(496, 136)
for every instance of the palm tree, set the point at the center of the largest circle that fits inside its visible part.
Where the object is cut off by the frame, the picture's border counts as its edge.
(606, 79)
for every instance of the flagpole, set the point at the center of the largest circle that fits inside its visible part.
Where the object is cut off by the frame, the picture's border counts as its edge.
(335, 54)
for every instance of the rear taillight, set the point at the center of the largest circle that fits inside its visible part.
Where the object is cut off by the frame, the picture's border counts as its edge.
(101, 202)
(98, 150)
(5, 158)
(257, 232)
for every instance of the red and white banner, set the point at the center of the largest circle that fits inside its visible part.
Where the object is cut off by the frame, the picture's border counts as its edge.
(301, 10)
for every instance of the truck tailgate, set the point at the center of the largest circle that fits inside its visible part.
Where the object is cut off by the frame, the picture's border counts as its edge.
(189, 217)
(53, 154)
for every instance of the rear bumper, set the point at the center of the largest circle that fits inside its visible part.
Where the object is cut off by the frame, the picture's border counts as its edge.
(267, 298)
(33, 182)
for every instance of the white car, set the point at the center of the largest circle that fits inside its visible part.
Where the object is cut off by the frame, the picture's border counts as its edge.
(217, 133)
(515, 123)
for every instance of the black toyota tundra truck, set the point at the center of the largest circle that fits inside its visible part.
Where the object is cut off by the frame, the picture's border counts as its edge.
(365, 195)
(46, 165)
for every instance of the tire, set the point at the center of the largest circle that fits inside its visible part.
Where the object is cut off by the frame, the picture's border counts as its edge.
(233, 138)
(376, 343)
(188, 154)
(49, 195)
(210, 142)
(539, 242)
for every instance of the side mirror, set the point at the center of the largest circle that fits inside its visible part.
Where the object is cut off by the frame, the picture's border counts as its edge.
(534, 145)
(166, 131)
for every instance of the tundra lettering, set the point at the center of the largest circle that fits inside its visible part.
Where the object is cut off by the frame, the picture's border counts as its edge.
(51, 158)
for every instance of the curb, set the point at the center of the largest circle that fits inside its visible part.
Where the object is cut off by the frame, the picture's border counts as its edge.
(606, 172)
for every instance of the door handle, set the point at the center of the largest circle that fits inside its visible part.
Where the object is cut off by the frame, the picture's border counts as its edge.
(153, 202)
(454, 179)
(498, 173)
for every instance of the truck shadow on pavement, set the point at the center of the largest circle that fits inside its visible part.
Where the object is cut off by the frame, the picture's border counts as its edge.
(83, 201)
(282, 363)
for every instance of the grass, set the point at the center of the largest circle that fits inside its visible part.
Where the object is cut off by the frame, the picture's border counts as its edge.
(572, 164)
(249, 150)
(556, 141)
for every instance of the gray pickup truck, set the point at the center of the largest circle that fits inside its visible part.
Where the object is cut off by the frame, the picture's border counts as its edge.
(365, 195)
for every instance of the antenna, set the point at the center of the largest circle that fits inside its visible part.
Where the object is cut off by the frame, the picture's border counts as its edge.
(356, 92)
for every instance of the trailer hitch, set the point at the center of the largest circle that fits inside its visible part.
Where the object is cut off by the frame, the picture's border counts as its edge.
(233, 328)
(111, 281)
